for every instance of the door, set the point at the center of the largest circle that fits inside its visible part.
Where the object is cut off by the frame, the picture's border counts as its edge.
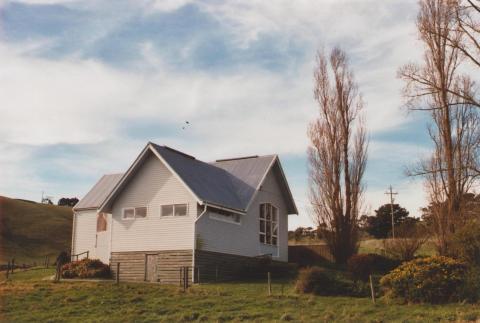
(151, 268)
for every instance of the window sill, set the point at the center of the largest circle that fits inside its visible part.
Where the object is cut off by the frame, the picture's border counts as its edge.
(268, 244)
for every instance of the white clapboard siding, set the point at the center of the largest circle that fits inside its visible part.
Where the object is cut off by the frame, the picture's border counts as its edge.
(152, 186)
(85, 231)
(243, 239)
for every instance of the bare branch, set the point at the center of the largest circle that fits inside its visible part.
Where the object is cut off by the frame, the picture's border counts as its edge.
(337, 154)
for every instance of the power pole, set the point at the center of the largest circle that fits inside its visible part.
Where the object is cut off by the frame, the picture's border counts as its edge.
(391, 193)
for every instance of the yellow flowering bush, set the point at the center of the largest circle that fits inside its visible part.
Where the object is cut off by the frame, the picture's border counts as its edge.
(435, 279)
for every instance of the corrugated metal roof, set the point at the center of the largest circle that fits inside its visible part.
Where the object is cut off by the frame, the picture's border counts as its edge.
(230, 183)
(99, 192)
(208, 182)
(248, 173)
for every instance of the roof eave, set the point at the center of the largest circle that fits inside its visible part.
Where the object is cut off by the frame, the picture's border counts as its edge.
(293, 209)
(220, 206)
(148, 147)
(292, 200)
(85, 208)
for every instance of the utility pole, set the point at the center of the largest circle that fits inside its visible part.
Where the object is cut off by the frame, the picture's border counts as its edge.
(391, 193)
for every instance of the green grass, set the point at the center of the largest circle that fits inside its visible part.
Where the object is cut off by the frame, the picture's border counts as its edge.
(28, 298)
(376, 246)
(31, 231)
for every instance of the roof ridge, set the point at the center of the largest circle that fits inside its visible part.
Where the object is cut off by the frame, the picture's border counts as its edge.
(236, 158)
(174, 150)
(113, 174)
(243, 157)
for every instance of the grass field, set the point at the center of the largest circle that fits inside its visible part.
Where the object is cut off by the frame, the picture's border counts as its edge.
(30, 231)
(369, 246)
(376, 246)
(27, 298)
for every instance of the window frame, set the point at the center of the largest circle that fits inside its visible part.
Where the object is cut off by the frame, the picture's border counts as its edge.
(270, 226)
(175, 209)
(141, 207)
(173, 205)
(135, 217)
(217, 216)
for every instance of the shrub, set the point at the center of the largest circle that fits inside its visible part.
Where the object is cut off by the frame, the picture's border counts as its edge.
(409, 238)
(316, 280)
(86, 268)
(436, 279)
(470, 290)
(466, 243)
(361, 266)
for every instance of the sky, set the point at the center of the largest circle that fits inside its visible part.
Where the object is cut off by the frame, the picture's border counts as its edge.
(84, 85)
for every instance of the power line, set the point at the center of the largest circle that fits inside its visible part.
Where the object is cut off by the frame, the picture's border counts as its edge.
(391, 193)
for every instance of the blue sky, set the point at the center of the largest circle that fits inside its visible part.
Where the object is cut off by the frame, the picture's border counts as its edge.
(85, 84)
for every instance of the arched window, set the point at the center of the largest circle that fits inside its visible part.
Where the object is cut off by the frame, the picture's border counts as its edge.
(268, 224)
(101, 222)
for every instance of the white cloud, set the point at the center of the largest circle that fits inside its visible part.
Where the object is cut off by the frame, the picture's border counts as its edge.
(168, 5)
(43, 2)
(78, 101)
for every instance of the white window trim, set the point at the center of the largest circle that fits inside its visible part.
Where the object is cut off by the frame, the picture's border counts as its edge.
(265, 233)
(134, 213)
(173, 211)
(222, 218)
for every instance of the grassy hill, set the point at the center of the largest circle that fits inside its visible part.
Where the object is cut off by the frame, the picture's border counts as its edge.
(29, 231)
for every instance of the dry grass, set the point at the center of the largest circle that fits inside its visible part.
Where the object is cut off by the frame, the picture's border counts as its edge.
(30, 231)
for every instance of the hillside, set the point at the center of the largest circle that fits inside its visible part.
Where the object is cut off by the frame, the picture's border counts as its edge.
(29, 231)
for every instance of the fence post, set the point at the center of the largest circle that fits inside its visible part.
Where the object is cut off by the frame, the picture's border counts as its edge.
(8, 268)
(88, 253)
(269, 284)
(48, 261)
(13, 264)
(216, 273)
(118, 273)
(180, 276)
(183, 278)
(198, 275)
(372, 290)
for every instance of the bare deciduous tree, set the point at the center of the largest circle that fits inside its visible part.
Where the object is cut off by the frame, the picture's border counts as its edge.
(435, 86)
(337, 154)
(463, 35)
(408, 240)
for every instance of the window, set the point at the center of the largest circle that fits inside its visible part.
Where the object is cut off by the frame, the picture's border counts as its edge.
(268, 224)
(101, 222)
(174, 210)
(167, 210)
(223, 215)
(140, 212)
(131, 213)
(180, 209)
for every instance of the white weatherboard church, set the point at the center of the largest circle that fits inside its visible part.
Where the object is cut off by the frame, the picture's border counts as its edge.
(170, 210)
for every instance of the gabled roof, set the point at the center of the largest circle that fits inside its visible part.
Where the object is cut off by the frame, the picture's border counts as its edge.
(248, 174)
(99, 192)
(228, 183)
(210, 184)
